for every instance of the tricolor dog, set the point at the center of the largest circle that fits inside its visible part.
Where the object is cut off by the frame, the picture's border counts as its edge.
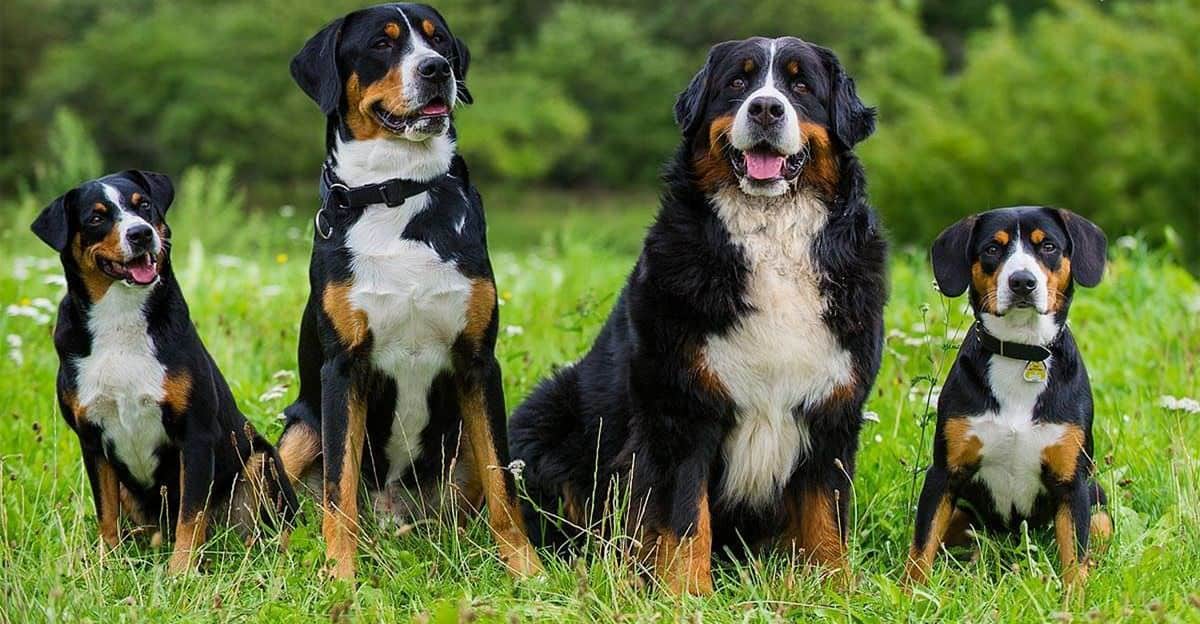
(1014, 430)
(724, 394)
(163, 441)
(399, 386)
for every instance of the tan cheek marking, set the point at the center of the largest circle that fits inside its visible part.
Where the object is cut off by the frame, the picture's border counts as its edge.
(95, 282)
(962, 447)
(349, 323)
(428, 27)
(1037, 236)
(712, 168)
(1057, 282)
(985, 285)
(1001, 237)
(177, 391)
(821, 171)
(1062, 457)
(392, 30)
(480, 307)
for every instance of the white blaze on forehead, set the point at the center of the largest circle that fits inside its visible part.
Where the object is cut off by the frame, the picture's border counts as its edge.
(124, 219)
(787, 139)
(420, 51)
(1019, 260)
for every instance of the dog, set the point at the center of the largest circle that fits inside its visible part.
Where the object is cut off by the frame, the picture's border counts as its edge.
(399, 384)
(161, 436)
(1014, 430)
(724, 393)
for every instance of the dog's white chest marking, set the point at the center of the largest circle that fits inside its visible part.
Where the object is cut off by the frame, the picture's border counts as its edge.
(120, 383)
(780, 356)
(416, 306)
(1011, 440)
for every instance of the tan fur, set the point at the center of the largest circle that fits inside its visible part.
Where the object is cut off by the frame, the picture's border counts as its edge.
(480, 308)
(1057, 283)
(177, 391)
(110, 502)
(1037, 236)
(339, 525)
(985, 285)
(349, 322)
(392, 30)
(684, 565)
(1074, 571)
(389, 90)
(812, 530)
(191, 530)
(1001, 236)
(920, 561)
(95, 281)
(1062, 457)
(821, 170)
(962, 447)
(428, 28)
(298, 447)
(712, 167)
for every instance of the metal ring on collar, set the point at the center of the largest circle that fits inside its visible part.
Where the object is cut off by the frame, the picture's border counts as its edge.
(317, 222)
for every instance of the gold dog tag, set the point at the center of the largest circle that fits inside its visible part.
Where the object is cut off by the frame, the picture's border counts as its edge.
(1035, 372)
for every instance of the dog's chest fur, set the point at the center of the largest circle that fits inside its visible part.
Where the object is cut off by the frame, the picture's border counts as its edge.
(120, 383)
(780, 356)
(1012, 441)
(416, 304)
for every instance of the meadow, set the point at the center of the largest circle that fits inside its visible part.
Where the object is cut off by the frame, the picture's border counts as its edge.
(559, 261)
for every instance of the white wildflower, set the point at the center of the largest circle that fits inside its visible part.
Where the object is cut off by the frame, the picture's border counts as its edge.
(878, 438)
(14, 349)
(1193, 305)
(1182, 404)
(227, 262)
(14, 341)
(283, 375)
(45, 304)
(287, 211)
(271, 290)
(514, 330)
(516, 467)
(871, 416)
(1127, 242)
(55, 279)
(294, 233)
(273, 393)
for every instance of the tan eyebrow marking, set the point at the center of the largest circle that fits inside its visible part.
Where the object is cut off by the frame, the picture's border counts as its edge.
(1037, 236)
(392, 29)
(793, 67)
(100, 207)
(135, 199)
(428, 27)
(1001, 237)
(748, 65)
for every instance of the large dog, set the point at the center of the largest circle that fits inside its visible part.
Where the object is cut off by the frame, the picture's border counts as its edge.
(397, 366)
(726, 388)
(162, 438)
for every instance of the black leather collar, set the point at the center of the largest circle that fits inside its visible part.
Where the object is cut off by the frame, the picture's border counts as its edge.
(335, 195)
(1014, 350)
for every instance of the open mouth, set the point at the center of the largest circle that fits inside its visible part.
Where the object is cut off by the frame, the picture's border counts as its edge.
(764, 164)
(435, 109)
(141, 271)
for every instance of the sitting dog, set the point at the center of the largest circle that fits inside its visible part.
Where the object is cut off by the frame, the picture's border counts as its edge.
(161, 435)
(1014, 429)
(397, 365)
(724, 394)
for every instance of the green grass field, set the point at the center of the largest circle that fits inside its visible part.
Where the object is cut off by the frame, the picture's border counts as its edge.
(558, 267)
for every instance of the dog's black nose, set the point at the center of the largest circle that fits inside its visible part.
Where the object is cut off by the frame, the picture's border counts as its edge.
(1022, 282)
(434, 68)
(140, 237)
(766, 110)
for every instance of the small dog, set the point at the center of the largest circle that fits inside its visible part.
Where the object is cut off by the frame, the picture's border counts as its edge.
(726, 388)
(399, 384)
(161, 436)
(1014, 429)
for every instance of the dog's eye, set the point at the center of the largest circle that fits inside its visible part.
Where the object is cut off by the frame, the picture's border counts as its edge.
(145, 205)
(382, 44)
(737, 84)
(799, 88)
(95, 219)
(993, 249)
(1049, 247)
(437, 38)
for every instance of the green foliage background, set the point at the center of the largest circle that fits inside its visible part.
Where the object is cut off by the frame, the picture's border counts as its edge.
(1087, 105)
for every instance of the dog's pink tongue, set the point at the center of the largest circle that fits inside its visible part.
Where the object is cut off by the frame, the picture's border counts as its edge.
(143, 271)
(435, 109)
(763, 166)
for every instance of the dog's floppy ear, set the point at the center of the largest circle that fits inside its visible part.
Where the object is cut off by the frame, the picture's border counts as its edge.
(951, 255)
(53, 225)
(1089, 247)
(689, 106)
(853, 121)
(460, 62)
(162, 191)
(315, 68)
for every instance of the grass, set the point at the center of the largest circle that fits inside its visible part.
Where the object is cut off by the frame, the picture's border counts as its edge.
(558, 267)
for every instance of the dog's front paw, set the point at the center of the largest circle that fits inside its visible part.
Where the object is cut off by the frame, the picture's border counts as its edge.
(521, 561)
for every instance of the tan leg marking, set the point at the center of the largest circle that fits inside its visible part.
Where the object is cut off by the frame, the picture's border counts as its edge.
(340, 523)
(190, 534)
(685, 565)
(110, 503)
(812, 531)
(1074, 570)
(920, 562)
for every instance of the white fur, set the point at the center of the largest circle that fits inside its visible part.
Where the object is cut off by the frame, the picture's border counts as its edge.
(120, 383)
(742, 137)
(1012, 442)
(126, 219)
(414, 301)
(780, 356)
(1018, 260)
(420, 51)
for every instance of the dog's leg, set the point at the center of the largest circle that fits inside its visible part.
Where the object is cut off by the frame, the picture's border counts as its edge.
(1072, 524)
(935, 509)
(195, 482)
(343, 428)
(481, 400)
(683, 553)
(817, 526)
(106, 493)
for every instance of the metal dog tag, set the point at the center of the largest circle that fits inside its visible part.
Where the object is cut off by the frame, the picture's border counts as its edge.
(1035, 372)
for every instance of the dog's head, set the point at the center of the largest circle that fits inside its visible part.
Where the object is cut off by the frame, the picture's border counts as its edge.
(771, 115)
(389, 71)
(111, 229)
(1019, 262)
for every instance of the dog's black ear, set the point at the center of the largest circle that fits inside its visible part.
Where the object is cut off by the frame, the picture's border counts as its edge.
(53, 225)
(853, 121)
(1089, 247)
(951, 255)
(315, 68)
(689, 106)
(461, 61)
(158, 185)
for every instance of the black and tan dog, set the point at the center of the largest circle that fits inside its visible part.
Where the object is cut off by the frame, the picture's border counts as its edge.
(397, 365)
(161, 435)
(1014, 430)
(727, 386)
